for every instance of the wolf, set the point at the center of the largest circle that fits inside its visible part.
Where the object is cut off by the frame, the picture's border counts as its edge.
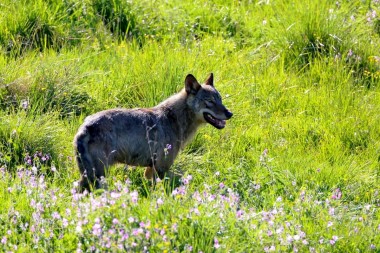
(146, 137)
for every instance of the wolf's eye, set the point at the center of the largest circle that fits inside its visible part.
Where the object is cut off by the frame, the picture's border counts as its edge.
(209, 103)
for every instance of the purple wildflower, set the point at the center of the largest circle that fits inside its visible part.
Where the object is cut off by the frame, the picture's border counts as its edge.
(78, 228)
(350, 53)
(334, 239)
(115, 195)
(55, 215)
(216, 243)
(264, 156)
(239, 214)
(159, 201)
(175, 227)
(65, 222)
(188, 248)
(97, 229)
(187, 179)
(289, 238)
(179, 191)
(135, 232)
(134, 196)
(337, 194)
(167, 149)
(195, 211)
(280, 230)
(24, 104)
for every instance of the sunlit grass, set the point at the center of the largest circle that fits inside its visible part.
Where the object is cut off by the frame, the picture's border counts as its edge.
(295, 169)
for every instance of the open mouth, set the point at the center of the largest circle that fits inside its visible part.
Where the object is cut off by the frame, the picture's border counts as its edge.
(218, 123)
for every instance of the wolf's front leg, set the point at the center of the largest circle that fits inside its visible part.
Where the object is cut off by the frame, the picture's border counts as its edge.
(151, 173)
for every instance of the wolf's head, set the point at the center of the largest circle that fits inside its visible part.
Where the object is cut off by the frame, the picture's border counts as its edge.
(206, 102)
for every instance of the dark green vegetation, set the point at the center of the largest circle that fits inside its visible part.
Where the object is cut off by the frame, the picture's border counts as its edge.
(296, 168)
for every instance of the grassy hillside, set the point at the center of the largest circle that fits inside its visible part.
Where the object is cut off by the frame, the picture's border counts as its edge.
(297, 168)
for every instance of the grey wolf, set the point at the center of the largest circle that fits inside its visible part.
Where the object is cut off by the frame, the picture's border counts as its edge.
(147, 137)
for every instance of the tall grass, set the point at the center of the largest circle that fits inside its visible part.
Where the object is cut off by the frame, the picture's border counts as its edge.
(296, 169)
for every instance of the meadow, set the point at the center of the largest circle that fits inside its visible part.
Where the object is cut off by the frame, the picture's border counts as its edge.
(297, 168)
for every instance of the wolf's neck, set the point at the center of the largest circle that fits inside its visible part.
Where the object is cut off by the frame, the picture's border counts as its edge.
(181, 117)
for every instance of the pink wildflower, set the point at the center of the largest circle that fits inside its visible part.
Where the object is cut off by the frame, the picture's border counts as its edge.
(337, 194)
(216, 243)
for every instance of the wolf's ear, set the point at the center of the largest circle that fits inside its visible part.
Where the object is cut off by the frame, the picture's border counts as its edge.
(210, 80)
(191, 84)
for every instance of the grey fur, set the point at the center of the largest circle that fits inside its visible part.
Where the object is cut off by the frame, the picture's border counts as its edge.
(149, 137)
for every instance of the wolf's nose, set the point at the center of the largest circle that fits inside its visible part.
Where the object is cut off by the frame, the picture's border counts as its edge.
(229, 114)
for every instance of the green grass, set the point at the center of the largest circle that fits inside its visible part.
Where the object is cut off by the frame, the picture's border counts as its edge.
(297, 168)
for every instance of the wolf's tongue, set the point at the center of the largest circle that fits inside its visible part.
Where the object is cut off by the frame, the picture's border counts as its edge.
(218, 122)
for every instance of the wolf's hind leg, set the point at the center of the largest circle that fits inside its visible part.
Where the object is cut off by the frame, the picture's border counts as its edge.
(85, 162)
(99, 174)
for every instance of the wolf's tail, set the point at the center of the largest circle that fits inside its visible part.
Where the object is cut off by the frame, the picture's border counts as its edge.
(84, 160)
